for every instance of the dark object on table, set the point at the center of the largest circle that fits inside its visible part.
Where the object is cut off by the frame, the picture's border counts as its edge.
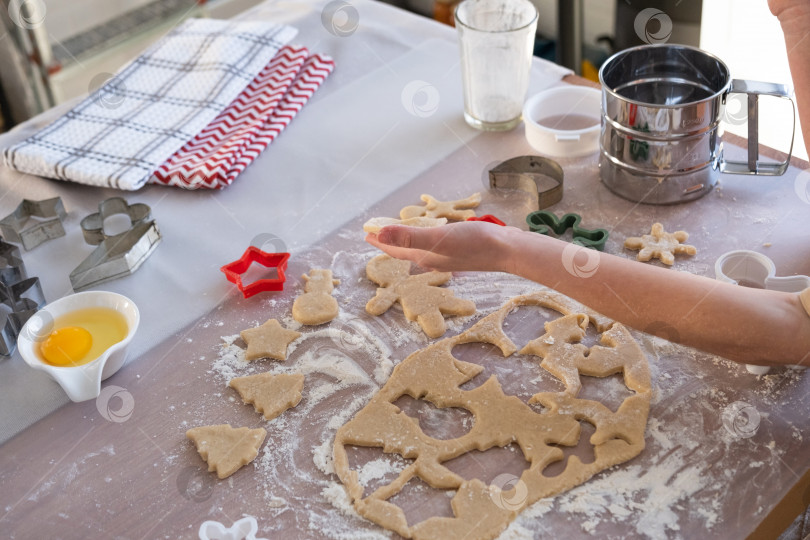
(657, 21)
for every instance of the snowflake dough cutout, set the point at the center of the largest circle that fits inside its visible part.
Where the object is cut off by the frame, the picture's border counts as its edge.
(316, 305)
(433, 374)
(243, 529)
(226, 449)
(269, 340)
(455, 210)
(660, 244)
(420, 296)
(269, 394)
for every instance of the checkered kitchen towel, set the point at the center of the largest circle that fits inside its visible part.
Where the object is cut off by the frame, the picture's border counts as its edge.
(163, 99)
(219, 153)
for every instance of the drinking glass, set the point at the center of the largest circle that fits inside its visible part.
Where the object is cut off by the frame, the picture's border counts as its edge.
(496, 38)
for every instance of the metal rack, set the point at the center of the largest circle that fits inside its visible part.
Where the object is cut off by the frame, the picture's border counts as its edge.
(31, 59)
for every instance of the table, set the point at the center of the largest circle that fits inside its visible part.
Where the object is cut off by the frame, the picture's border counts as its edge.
(76, 474)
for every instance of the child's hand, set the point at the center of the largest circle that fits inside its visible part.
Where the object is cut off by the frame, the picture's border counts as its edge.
(471, 245)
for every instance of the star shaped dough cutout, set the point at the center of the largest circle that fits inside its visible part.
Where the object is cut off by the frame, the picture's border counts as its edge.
(269, 340)
(660, 244)
(456, 210)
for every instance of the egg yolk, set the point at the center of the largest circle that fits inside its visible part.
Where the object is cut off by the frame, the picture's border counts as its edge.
(67, 346)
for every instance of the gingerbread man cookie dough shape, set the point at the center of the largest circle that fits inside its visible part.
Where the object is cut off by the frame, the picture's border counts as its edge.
(421, 297)
(316, 305)
(660, 244)
(454, 210)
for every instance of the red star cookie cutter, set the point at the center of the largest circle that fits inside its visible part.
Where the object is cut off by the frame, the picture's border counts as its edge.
(233, 271)
(489, 218)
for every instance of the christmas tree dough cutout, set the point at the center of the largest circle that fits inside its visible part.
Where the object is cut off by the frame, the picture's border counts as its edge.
(270, 394)
(660, 244)
(455, 210)
(269, 340)
(316, 305)
(226, 449)
(421, 297)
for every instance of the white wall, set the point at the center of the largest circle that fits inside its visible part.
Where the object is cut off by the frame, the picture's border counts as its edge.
(745, 35)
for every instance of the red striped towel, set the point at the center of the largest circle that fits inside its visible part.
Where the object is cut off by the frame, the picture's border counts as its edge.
(220, 152)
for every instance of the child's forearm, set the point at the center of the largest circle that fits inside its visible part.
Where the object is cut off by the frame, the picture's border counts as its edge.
(743, 324)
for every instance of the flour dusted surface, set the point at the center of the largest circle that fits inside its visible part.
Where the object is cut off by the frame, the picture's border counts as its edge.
(687, 405)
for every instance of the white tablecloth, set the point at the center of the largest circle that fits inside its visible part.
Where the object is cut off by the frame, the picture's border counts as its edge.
(370, 129)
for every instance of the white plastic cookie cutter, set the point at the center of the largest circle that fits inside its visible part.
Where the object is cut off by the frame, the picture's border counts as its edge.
(243, 529)
(749, 268)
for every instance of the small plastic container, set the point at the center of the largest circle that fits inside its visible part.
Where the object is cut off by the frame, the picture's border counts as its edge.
(752, 269)
(564, 121)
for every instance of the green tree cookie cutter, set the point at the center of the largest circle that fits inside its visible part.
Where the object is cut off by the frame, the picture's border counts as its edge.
(544, 222)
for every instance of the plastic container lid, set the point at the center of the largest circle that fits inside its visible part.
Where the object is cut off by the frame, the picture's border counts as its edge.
(564, 121)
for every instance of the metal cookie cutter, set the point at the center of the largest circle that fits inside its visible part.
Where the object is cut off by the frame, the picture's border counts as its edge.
(117, 255)
(13, 225)
(233, 271)
(20, 295)
(532, 174)
(12, 268)
(544, 222)
(24, 298)
(753, 269)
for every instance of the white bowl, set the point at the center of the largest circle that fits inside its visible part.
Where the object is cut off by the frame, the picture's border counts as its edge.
(79, 382)
(564, 101)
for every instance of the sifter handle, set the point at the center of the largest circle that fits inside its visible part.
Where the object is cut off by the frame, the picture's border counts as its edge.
(754, 89)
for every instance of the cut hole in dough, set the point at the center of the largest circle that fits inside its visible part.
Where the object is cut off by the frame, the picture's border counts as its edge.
(489, 464)
(610, 391)
(374, 467)
(418, 501)
(438, 423)
(525, 323)
(517, 376)
(583, 450)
